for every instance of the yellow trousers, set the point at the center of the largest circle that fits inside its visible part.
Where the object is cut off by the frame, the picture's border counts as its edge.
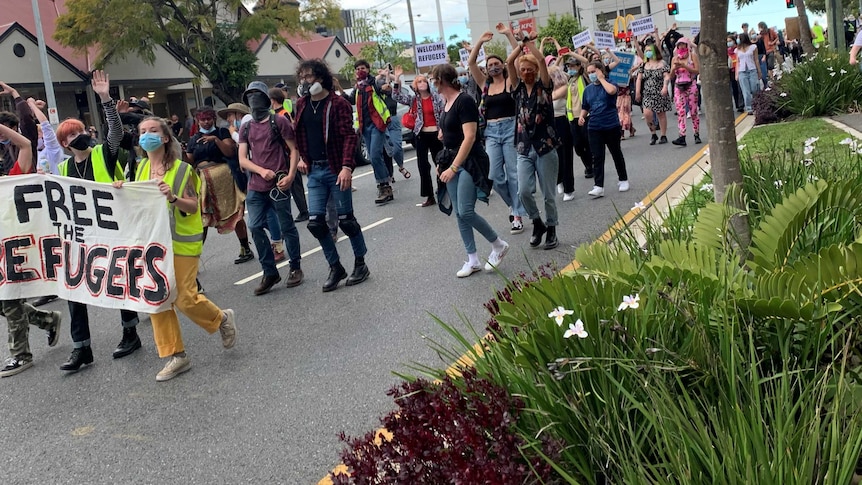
(166, 325)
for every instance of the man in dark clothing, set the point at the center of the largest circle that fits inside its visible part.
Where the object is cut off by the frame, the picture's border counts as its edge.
(297, 190)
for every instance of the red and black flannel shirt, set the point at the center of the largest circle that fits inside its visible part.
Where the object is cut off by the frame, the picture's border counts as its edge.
(338, 132)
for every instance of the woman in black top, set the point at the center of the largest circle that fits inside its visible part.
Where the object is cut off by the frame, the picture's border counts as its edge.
(462, 166)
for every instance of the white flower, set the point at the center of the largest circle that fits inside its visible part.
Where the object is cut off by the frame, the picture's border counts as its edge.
(783, 95)
(807, 162)
(639, 206)
(813, 178)
(707, 187)
(809, 77)
(812, 140)
(629, 301)
(559, 314)
(830, 69)
(768, 89)
(808, 149)
(740, 147)
(843, 71)
(846, 141)
(576, 328)
(831, 74)
(779, 184)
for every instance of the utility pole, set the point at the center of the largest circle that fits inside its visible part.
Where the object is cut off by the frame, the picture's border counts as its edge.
(835, 24)
(413, 33)
(440, 22)
(53, 117)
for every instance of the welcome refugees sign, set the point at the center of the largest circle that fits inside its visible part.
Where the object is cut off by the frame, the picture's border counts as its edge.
(86, 242)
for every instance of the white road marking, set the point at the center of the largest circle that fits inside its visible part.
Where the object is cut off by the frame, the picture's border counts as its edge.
(309, 253)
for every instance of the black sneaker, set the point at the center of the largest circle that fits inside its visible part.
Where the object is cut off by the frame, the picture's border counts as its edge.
(80, 356)
(13, 366)
(662, 140)
(697, 139)
(680, 142)
(54, 330)
(245, 255)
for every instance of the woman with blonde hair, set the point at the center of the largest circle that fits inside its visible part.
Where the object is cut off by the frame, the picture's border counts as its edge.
(180, 185)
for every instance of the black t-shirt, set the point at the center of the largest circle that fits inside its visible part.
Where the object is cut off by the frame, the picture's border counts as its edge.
(207, 152)
(312, 121)
(176, 127)
(462, 111)
(84, 170)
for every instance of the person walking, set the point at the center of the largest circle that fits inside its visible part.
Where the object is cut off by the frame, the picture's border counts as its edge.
(180, 185)
(297, 189)
(463, 166)
(325, 140)
(747, 71)
(685, 67)
(576, 85)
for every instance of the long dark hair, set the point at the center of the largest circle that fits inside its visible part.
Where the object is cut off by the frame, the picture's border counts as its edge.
(446, 74)
(744, 40)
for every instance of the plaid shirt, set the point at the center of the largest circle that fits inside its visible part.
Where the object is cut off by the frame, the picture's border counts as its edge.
(338, 132)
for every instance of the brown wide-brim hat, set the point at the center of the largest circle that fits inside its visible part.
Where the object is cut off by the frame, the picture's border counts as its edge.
(233, 107)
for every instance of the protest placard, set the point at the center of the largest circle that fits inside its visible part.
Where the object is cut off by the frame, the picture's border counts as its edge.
(86, 242)
(464, 54)
(642, 26)
(582, 39)
(430, 54)
(620, 74)
(694, 31)
(604, 40)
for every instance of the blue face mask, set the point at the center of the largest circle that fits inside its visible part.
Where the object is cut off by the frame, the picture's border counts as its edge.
(432, 86)
(6, 142)
(207, 132)
(462, 80)
(572, 72)
(150, 141)
(649, 54)
(594, 78)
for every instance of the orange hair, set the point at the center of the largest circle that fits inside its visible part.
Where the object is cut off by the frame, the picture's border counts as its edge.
(67, 127)
(415, 83)
(530, 59)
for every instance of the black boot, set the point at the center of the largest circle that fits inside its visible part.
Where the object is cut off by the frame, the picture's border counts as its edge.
(360, 274)
(697, 139)
(680, 142)
(653, 139)
(336, 274)
(80, 356)
(130, 343)
(551, 238)
(539, 229)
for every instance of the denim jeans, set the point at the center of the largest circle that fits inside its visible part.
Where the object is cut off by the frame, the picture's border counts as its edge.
(374, 140)
(462, 191)
(272, 225)
(500, 146)
(392, 141)
(750, 85)
(546, 168)
(322, 184)
(258, 205)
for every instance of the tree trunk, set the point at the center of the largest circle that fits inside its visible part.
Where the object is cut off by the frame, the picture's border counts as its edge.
(720, 119)
(804, 29)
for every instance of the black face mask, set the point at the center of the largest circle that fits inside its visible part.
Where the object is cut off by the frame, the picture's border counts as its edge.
(81, 142)
(259, 104)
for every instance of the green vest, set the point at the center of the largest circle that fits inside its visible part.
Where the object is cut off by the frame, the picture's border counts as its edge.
(288, 106)
(100, 172)
(187, 230)
(582, 86)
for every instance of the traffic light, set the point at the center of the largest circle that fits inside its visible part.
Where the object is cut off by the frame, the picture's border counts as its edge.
(673, 8)
(790, 4)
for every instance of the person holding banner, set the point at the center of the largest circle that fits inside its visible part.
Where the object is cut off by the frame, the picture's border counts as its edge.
(180, 185)
(652, 90)
(685, 68)
(497, 109)
(96, 164)
(536, 139)
(19, 314)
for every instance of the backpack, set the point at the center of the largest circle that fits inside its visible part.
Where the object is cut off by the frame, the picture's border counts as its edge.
(275, 135)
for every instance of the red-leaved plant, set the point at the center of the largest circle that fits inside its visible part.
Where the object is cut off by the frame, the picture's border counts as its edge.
(447, 433)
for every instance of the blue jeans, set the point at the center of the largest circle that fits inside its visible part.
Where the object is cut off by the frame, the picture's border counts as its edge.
(322, 185)
(462, 191)
(259, 204)
(374, 140)
(500, 145)
(544, 167)
(392, 143)
(272, 225)
(750, 84)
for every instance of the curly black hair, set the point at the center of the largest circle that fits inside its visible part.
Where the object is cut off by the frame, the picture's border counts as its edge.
(319, 69)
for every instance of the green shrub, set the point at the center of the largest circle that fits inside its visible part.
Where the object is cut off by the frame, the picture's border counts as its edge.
(825, 85)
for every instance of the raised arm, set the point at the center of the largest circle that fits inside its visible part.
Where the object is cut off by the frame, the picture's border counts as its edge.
(25, 154)
(505, 30)
(477, 73)
(102, 87)
(514, 80)
(53, 151)
(615, 61)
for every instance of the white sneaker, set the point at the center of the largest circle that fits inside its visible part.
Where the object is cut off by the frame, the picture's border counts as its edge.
(495, 257)
(623, 186)
(467, 270)
(175, 366)
(560, 189)
(568, 197)
(597, 192)
(228, 329)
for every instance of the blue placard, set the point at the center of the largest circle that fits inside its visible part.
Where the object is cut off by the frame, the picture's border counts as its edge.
(620, 74)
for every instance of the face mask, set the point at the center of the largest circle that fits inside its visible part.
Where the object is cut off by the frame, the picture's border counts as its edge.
(237, 124)
(150, 141)
(529, 78)
(259, 104)
(422, 86)
(495, 71)
(361, 75)
(433, 86)
(207, 132)
(594, 78)
(81, 142)
(462, 80)
(6, 142)
(682, 52)
(731, 44)
(649, 54)
(572, 72)
(312, 89)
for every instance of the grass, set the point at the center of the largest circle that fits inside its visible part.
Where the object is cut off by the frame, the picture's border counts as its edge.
(766, 141)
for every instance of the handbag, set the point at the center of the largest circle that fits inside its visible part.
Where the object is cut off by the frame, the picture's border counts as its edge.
(408, 119)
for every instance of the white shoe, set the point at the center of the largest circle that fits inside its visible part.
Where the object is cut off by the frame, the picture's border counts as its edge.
(560, 189)
(597, 192)
(623, 186)
(495, 257)
(467, 270)
(228, 329)
(175, 366)
(568, 197)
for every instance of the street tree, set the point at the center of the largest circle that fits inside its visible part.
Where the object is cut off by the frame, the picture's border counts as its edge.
(802, 7)
(211, 36)
(819, 6)
(378, 29)
(562, 28)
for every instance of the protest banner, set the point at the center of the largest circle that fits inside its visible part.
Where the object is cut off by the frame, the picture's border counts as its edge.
(605, 40)
(620, 74)
(642, 26)
(582, 39)
(464, 54)
(86, 242)
(430, 54)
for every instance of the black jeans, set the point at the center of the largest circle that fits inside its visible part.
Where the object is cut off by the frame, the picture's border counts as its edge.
(297, 192)
(735, 89)
(565, 154)
(581, 140)
(425, 142)
(80, 322)
(599, 139)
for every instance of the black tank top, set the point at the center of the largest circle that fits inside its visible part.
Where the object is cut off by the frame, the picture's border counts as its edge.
(500, 105)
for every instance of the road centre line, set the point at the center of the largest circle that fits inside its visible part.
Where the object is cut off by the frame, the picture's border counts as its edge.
(309, 253)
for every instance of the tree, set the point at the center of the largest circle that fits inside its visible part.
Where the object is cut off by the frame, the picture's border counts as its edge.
(819, 6)
(209, 35)
(562, 28)
(378, 28)
(723, 152)
(804, 26)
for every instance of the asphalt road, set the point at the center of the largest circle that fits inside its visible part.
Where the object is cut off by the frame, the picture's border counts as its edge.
(306, 366)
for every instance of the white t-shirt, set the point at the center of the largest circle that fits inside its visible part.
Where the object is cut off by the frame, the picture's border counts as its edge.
(858, 41)
(746, 59)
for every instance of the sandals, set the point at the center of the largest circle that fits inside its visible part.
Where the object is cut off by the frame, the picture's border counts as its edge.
(404, 172)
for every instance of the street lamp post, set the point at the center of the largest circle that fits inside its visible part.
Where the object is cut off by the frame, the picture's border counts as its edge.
(46, 71)
(412, 32)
